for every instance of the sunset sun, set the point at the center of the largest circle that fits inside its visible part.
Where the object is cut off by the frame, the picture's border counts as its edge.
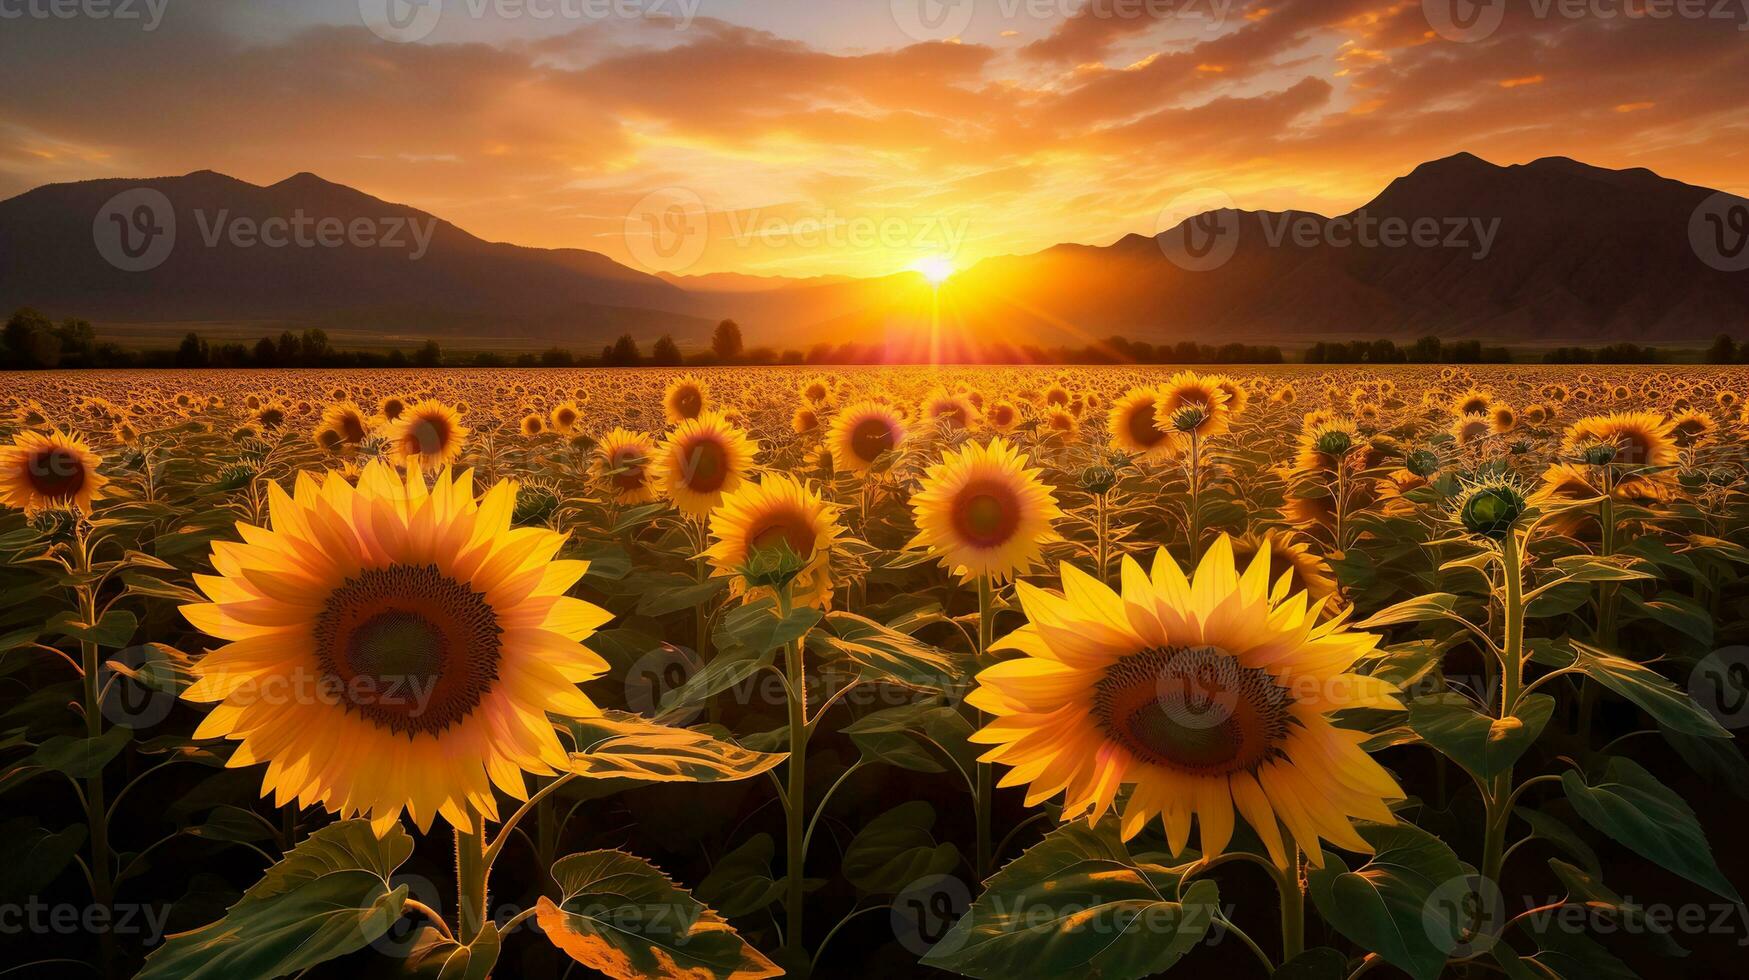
(935, 268)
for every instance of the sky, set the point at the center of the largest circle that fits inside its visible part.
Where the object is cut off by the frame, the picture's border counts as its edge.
(861, 137)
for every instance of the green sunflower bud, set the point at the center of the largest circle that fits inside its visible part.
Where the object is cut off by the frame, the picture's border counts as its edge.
(1098, 479)
(1491, 511)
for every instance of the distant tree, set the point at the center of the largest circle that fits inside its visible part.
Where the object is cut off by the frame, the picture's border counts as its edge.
(820, 353)
(1427, 350)
(666, 353)
(761, 355)
(556, 357)
(314, 344)
(488, 359)
(397, 358)
(290, 350)
(624, 353)
(192, 352)
(1723, 350)
(78, 339)
(726, 342)
(266, 354)
(429, 356)
(792, 357)
(30, 340)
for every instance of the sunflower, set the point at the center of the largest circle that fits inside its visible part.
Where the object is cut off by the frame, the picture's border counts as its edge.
(1237, 396)
(862, 433)
(1640, 438)
(1301, 570)
(347, 421)
(533, 424)
(778, 510)
(1693, 428)
(983, 512)
(435, 638)
(1565, 483)
(1473, 402)
(1002, 416)
(702, 459)
(426, 435)
(806, 421)
(1203, 696)
(686, 398)
(1325, 442)
(1502, 420)
(391, 407)
(563, 416)
(1063, 424)
(818, 392)
(1471, 428)
(1191, 403)
(1134, 427)
(955, 409)
(52, 471)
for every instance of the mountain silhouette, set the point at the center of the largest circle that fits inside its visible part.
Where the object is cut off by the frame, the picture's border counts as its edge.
(1553, 250)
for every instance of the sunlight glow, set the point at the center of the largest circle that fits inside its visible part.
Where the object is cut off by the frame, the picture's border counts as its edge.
(935, 268)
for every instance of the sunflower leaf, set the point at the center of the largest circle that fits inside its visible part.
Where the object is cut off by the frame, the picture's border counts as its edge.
(620, 915)
(1076, 905)
(618, 745)
(1483, 745)
(1639, 812)
(884, 655)
(895, 849)
(328, 897)
(1437, 605)
(1386, 904)
(1669, 705)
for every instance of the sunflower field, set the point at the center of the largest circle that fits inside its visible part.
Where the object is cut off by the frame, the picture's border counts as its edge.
(989, 672)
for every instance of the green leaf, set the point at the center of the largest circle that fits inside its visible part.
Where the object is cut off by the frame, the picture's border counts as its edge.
(1076, 905)
(1435, 605)
(31, 858)
(674, 593)
(1678, 612)
(1317, 963)
(1587, 887)
(1385, 905)
(1483, 745)
(1596, 568)
(81, 757)
(886, 655)
(740, 882)
(757, 627)
(622, 917)
(618, 745)
(1556, 831)
(725, 670)
(434, 957)
(1642, 814)
(895, 849)
(935, 730)
(113, 629)
(1668, 704)
(328, 897)
(232, 824)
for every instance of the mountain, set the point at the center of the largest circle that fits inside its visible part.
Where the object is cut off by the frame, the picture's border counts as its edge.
(1553, 250)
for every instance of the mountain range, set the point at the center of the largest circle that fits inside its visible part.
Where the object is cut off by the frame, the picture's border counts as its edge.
(1553, 250)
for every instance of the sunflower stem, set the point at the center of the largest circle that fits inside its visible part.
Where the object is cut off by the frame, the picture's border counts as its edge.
(1195, 499)
(470, 880)
(1499, 794)
(96, 807)
(795, 801)
(986, 801)
(1293, 908)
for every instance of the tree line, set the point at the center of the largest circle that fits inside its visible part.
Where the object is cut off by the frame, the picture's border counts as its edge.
(32, 341)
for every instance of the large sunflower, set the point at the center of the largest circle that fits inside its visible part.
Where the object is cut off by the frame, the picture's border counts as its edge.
(1133, 423)
(1202, 696)
(687, 397)
(394, 647)
(862, 433)
(1192, 403)
(347, 421)
(1640, 438)
(777, 510)
(702, 459)
(984, 512)
(427, 435)
(622, 461)
(49, 471)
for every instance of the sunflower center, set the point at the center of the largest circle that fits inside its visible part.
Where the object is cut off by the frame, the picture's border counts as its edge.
(1193, 709)
(429, 434)
(55, 473)
(629, 465)
(408, 648)
(707, 467)
(870, 439)
(986, 513)
(1142, 427)
(352, 427)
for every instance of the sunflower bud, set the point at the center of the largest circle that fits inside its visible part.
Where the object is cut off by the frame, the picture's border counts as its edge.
(1424, 463)
(535, 505)
(1188, 418)
(1335, 443)
(1491, 511)
(1598, 453)
(772, 567)
(1098, 479)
